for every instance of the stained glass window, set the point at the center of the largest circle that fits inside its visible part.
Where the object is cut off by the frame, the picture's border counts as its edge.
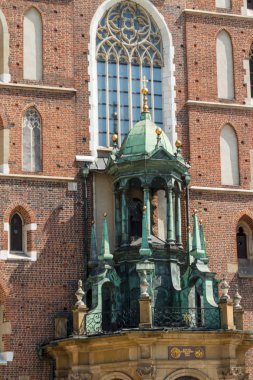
(129, 46)
(32, 141)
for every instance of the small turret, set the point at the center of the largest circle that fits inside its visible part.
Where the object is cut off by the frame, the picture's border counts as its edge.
(93, 246)
(198, 242)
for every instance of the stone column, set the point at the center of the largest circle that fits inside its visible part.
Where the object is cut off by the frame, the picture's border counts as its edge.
(178, 219)
(170, 217)
(147, 204)
(124, 218)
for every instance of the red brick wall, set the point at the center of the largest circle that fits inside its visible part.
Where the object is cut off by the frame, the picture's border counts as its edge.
(38, 290)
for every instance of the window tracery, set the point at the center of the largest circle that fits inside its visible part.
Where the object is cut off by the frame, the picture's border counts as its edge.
(32, 141)
(129, 46)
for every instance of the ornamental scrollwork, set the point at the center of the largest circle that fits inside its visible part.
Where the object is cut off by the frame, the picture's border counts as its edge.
(146, 371)
(238, 373)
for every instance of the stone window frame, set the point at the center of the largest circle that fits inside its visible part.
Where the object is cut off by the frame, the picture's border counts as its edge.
(168, 73)
(28, 226)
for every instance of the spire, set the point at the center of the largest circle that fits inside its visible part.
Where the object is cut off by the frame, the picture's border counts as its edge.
(105, 246)
(189, 243)
(198, 240)
(145, 111)
(93, 245)
(145, 250)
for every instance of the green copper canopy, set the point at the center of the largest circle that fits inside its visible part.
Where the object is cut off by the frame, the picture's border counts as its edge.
(142, 139)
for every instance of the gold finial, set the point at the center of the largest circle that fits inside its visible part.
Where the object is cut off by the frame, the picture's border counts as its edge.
(201, 222)
(115, 138)
(195, 211)
(93, 222)
(144, 92)
(158, 131)
(189, 228)
(105, 214)
(144, 208)
(178, 144)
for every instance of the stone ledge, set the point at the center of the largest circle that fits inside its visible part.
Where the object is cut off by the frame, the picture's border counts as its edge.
(36, 87)
(219, 105)
(222, 190)
(218, 14)
(36, 177)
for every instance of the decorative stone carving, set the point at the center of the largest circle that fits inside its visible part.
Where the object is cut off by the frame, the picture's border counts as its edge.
(224, 289)
(79, 376)
(146, 371)
(237, 299)
(79, 294)
(233, 373)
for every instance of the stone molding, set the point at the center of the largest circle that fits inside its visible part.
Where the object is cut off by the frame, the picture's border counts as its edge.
(79, 376)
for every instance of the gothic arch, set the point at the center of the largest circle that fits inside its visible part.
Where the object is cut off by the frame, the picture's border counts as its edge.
(225, 65)
(116, 376)
(168, 77)
(229, 157)
(195, 373)
(4, 49)
(32, 42)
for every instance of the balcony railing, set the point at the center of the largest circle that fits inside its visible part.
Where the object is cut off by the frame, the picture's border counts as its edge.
(196, 318)
(181, 318)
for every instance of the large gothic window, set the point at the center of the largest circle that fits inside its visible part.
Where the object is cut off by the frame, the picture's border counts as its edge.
(129, 47)
(32, 141)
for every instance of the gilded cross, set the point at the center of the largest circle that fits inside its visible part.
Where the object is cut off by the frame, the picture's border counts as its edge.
(144, 81)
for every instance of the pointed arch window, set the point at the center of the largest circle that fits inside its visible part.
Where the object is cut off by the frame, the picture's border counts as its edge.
(16, 233)
(32, 141)
(225, 66)
(229, 156)
(32, 45)
(129, 46)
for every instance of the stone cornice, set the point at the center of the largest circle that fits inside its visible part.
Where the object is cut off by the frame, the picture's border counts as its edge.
(36, 87)
(222, 190)
(218, 14)
(199, 103)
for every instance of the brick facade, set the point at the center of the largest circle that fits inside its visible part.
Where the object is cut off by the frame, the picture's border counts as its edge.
(34, 292)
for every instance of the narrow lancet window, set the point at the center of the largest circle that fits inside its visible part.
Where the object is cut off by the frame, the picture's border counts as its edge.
(32, 141)
(225, 69)
(16, 233)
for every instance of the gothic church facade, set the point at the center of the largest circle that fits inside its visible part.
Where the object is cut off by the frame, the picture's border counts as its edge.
(70, 80)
